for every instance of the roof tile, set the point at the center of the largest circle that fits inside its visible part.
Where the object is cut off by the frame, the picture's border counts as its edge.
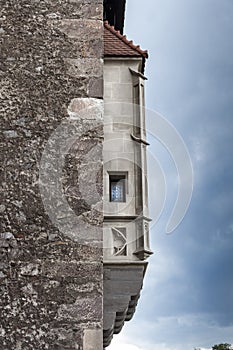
(116, 44)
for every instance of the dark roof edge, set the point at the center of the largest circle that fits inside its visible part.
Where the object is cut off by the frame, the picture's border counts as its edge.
(114, 12)
(123, 17)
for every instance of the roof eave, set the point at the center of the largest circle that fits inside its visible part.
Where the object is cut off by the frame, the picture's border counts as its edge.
(139, 58)
(123, 38)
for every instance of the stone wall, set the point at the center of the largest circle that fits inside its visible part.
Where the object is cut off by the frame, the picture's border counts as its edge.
(51, 180)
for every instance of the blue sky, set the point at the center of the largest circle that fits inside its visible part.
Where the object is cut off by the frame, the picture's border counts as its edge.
(187, 300)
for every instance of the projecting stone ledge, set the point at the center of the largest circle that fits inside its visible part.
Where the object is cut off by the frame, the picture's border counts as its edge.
(122, 285)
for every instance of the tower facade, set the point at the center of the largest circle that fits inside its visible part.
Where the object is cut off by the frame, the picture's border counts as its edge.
(50, 229)
(126, 217)
(74, 212)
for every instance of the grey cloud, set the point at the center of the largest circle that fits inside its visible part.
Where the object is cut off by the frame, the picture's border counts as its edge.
(188, 296)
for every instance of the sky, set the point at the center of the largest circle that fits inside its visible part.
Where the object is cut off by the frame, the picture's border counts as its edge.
(187, 299)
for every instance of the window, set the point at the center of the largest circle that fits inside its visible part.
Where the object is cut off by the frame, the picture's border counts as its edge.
(119, 241)
(138, 100)
(117, 188)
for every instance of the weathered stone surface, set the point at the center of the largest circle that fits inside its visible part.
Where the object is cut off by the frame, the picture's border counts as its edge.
(43, 269)
(86, 108)
(86, 36)
(95, 87)
(80, 28)
(92, 339)
(84, 67)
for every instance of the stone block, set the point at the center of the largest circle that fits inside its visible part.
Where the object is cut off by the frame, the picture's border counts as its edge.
(122, 92)
(81, 29)
(95, 87)
(86, 108)
(84, 67)
(93, 339)
(112, 75)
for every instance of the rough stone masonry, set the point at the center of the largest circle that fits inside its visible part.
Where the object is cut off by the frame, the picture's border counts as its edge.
(50, 269)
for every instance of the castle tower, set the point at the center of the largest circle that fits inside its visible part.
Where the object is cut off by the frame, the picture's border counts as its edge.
(69, 234)
(126, 217)
(51, 230)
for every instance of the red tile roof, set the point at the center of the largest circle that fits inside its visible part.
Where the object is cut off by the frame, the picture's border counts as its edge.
(116, 44)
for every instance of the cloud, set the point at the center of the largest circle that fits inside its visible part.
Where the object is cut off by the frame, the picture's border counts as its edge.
(187, 296)
(172, 333)
(124, 346)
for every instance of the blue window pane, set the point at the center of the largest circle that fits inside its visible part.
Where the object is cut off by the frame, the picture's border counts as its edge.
(117, 192)
(117, 189)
